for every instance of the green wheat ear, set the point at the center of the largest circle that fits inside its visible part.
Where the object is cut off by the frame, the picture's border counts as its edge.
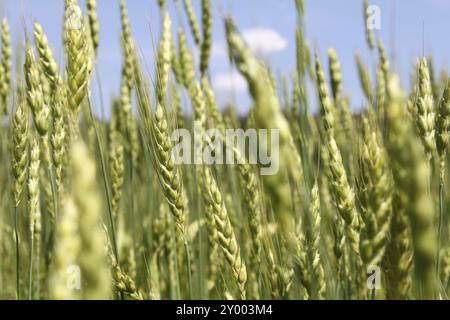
(164, 59)
(411, 199)
(268, 115)
(376, 197)
(354, 189)
(207, 21)
(364, 78)
(300, 6)
(169, 175)
(425, 115)
(123, 283)
(335, 75)
(193, 23)
(5, 66)
(225, 233)
(78, 62)
(443, 122)
(186, 61)
(317, 264)
(35, 93)
(46, 58)
(94, 25)
(343, 194)
(116, 166)
(20, 150)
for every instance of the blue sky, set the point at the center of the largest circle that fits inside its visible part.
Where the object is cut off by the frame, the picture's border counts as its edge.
(329, 23)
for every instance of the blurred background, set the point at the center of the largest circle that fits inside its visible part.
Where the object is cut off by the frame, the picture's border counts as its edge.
(408, 29)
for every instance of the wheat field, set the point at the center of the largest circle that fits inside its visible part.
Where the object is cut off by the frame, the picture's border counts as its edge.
(95, 208)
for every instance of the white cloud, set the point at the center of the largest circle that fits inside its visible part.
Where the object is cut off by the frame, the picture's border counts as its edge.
(229, 81)
(264, 40)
